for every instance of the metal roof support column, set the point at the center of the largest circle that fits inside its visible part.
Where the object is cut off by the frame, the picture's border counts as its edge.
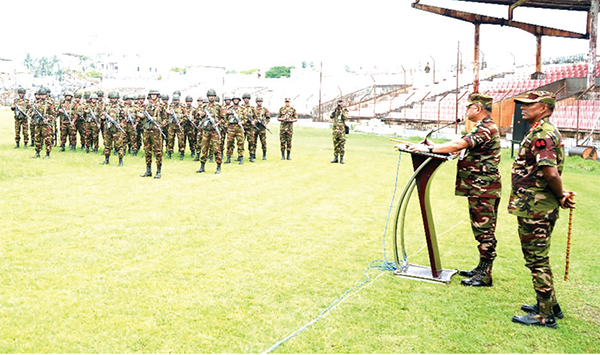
(593, 31)
(538, 59)
(476, 59)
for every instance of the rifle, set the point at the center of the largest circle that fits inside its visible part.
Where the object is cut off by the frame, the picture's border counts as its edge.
(149, 118)
(110, 120)
(235, 116)
(39, 117)
(66, 115)
(130, 120)
(263, 126)
(212, 122)
(94, 117)
(174, 118)
(21, 111)
(190, 119)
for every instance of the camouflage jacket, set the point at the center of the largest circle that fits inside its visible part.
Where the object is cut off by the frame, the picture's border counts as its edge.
(179, 110)
(477, 173)
(46, 109)
(249, 115)
(338, 119)
(115, 112)
(155, 110)
(67, 111)
(96, 109)
(215, 111)
(531, 195)
(289, 115)
(239, 111)
(263, 115)
(24, 105)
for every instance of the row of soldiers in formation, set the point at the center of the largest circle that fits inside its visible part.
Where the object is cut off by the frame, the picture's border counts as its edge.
(125, 124)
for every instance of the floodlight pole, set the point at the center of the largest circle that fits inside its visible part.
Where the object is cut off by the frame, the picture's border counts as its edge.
(593, 32)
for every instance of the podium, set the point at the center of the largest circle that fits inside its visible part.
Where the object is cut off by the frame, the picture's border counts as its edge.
(424, 165)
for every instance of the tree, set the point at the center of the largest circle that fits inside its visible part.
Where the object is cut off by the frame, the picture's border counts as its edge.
(278, 72)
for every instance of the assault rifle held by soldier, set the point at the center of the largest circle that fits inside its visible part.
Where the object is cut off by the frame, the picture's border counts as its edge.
(174, 118)
(94, 118)
(21, 111)
(39, 118)
(113, 122)
(212, 122)
(237, 119)
(66, 116)
(130, 120)
(149, 118)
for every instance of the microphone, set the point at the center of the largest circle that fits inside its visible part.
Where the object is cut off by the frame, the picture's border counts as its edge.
(457, 121)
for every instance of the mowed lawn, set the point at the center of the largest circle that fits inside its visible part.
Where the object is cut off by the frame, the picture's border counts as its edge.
(95, 259)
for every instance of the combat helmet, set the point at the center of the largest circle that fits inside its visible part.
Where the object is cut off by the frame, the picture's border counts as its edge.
(211, 92)
(21, 90)
(113, 95)
(189, 99)
(246, 96)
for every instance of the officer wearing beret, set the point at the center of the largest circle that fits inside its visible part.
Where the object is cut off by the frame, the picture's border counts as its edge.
(287, 116)
(338, 119)
(537, 193)
(478, 178)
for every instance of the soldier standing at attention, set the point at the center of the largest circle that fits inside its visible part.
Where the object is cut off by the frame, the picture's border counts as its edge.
(43, 124)
(198, 119)
(130, 127)
(226, 107)
(114, 132)
(249, 123)
(164, 118)
(68, 115)
(287, 116)
(150, 117)
(537, 193)
(478, 178)
(338, 118)
(138, 107)
(263, 116)
(235, 130)
(189, 133)
(211, 128)
(79, 121)
(21, 118)
(94, 113)
(176, 114)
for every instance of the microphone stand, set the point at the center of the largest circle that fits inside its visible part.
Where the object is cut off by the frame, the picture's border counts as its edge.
(458, 120)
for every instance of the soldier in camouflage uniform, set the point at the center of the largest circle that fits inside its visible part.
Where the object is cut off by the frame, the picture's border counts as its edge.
(114, 134)
(78, 109)
(263, 117)
(176, 115)
(189, 126)
(478, 178)
(249, 124)
(151, 119)
(138, 107)
(93, 112)
(68, 115)
(537, 193)
(198, 119)
(226, 107)
(287, 116)
(338, 119)
(43, 113)
(211, 129)
(21, 117)
(131, 115)
(235, 130)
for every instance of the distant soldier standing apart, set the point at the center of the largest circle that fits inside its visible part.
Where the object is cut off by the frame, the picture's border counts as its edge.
(537, 193)
(249, 123)
(287, 116)
(21, 124)
(211, 129)
(478, 178)
(235, 130)
(338, 119)
(150, 117)
(263, 117)
(43, 119)
(68, 115)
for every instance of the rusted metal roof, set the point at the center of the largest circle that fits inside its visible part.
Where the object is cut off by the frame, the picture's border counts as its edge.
(574, 5)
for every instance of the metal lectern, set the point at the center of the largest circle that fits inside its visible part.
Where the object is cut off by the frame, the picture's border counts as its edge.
(424, 165)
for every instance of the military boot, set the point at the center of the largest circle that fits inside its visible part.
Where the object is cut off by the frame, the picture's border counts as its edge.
(210, 158)
(288, 155)
(115, 153)
(181, 155)
(251, 159)
(37, 154)
(218, 168)
(192, 154)
(96, 150)
(264, 155)
(157, 176)
(106, 159)
(535, 319)
(197, 158)
(341, 159)
(473, 272)
(82, 147)
(135, 151)
(25, 146)
(282, 155)
(482, 278)
(47, 155)
(201, 170)
(17, 146)
(73, 148)
(241, 160)
(535, 308)
(120, 161)
(335, 159)
(148, 171)
(228, 161)
(169, 155)
(62, 148)
(87, 149)
(129, 150)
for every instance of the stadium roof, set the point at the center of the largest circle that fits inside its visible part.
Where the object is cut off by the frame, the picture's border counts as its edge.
(573, 5)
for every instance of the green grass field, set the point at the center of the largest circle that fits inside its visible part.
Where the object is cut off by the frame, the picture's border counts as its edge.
(95, 259)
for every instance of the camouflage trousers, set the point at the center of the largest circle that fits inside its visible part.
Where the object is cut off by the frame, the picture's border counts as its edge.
(251, 133)
(235, 133)
(44, 134)
(130, 137)
(67, 130)
(114, 140)
(199, 135)
(484, 213)
(21, 123)
(339, 142)
(91, 135)
(535, 243)
(80, 128)
(210, 143)
(31, 132)
(139, 134)
(285, 137)
(173, 131)
(189, 137)
(262, 136)
(153, 144)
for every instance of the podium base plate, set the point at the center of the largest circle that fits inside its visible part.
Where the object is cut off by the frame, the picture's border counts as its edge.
(423, 273)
